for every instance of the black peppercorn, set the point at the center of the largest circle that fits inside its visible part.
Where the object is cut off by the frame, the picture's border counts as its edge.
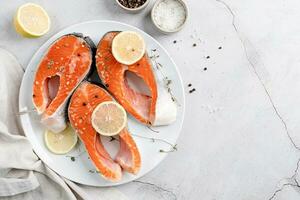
(132, 3)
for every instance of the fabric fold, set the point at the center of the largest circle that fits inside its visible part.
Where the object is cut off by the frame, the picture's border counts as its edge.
(22, 174)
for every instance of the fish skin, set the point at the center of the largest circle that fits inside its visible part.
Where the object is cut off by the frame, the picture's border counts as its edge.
(70, 58)
(84, 100)
(112, 74)
(166, 108)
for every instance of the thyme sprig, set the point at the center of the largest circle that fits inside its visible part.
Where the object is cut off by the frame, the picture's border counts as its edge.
(173, 147)
(151, 129)
(170, 150)
(154, 55)
(26, 111)
(94, 171)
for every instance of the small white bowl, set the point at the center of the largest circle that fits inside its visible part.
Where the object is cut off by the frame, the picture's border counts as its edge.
(133, 10)
(166, 31)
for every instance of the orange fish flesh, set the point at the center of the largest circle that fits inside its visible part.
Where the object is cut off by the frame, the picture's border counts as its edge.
(113, 75)
(84, 100)
(66, 63)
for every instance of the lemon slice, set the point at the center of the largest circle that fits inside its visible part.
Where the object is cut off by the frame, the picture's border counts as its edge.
(31, 20)
(61, 143)
(109, 118)
(128, 47)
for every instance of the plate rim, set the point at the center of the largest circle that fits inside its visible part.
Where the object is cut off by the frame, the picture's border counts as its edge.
(56, 35)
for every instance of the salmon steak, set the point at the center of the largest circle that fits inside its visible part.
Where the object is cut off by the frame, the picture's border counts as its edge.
(66, 63)
(82, 104)
(141, 105)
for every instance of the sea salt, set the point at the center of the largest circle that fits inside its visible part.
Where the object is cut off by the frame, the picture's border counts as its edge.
(169, 15)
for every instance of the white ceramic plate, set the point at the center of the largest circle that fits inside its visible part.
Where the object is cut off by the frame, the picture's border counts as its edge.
(81, 170)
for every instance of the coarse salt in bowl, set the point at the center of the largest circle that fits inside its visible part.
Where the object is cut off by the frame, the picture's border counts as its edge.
(169, 16)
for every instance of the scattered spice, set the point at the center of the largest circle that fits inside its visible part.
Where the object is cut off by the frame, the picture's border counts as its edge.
(207, 57)
(84, 104)
(50, 64)
(220, 47)
(33, 95)
(189, 85)
(62, 68)
(174, 41)
(132, 3)
(194, 44)
(192, 90)
(113, 139)
(204, 68)
(73, 157)
(96, 96)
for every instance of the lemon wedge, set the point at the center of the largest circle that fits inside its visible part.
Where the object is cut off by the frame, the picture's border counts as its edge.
(128, 47)
(109, 118)
(31, 20)
(61, 143)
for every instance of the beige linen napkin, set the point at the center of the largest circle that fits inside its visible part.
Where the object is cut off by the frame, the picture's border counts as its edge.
(22, 174)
